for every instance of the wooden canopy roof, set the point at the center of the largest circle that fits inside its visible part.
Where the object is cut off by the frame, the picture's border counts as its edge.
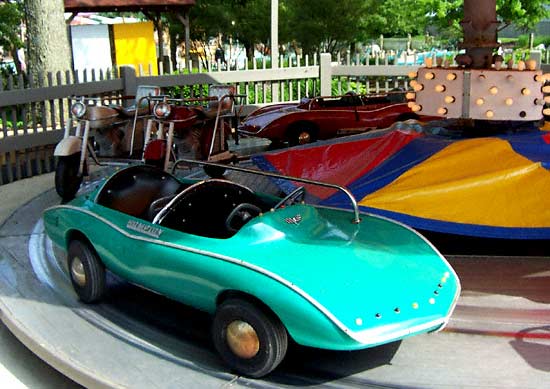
(124, 5)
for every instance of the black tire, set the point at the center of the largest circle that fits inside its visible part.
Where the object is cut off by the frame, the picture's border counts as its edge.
(301, 134)
(265, 351)
(407, 116)
(67, 179)
(86, 271)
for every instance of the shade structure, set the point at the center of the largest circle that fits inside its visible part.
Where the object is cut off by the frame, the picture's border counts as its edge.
(433, 179)
(120, 5)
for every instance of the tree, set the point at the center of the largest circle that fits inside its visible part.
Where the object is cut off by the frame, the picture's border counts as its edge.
(396, 17)
(252, 23)
(524, 14)
(47, 41)
(11, 14)
(323, 25)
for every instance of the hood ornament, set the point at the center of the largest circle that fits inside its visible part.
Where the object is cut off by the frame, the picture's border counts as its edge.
(294, 220)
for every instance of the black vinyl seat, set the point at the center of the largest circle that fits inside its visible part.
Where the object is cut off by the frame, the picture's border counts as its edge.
(202, 208)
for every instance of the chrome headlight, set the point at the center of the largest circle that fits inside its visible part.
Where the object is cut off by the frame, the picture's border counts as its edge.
(78, 109)
(162, 110)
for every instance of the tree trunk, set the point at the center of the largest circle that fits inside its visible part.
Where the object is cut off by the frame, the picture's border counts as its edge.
(174, 51)
(48, 43)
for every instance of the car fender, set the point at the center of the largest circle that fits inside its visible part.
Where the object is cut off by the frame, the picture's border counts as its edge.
(68, 146)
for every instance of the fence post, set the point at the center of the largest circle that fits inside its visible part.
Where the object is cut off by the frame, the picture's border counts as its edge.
(537, 56)
(129, 80)
(325, 72)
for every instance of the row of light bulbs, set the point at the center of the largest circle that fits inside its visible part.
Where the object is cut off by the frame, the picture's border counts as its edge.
(493, 90)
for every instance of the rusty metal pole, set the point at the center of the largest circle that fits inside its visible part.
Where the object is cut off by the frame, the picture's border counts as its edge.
(480, 32)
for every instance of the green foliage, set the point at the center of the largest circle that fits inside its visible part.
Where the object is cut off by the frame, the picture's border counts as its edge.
(187, 91)
(9, 124)
(328, 25)
(524, 14)
(11, 15)
(396, 17)
(323, 25)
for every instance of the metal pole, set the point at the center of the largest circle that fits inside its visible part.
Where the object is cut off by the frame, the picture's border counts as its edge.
(274, 46)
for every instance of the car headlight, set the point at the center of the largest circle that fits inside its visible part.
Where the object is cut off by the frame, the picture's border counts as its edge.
(162, 110)
(78, 109)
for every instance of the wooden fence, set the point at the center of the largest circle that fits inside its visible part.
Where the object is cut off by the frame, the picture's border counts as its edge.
(33, 112)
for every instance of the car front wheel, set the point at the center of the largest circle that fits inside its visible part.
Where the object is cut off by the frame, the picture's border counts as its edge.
(250, 340)
(86, 271)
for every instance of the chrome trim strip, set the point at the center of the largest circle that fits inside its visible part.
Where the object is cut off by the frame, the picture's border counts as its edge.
(364, 337)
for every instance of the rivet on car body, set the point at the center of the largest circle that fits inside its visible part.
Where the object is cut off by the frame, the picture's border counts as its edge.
(415, 305)
(431, 301)
(436, 292)
(378, 316)
(397, 310)
(359, 321)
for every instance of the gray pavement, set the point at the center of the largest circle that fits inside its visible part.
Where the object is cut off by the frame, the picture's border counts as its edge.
(498, 337)
(20, 367)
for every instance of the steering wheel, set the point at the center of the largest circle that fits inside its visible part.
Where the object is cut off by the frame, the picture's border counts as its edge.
(240, 215)
(296, 196)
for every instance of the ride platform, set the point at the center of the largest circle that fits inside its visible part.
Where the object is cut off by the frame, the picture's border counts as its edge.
(498, 334)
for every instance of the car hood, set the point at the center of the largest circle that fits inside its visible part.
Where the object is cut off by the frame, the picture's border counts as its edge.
(255, 123)
(375, 273)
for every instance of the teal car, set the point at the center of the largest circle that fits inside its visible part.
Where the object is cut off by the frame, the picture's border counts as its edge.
(268, 269)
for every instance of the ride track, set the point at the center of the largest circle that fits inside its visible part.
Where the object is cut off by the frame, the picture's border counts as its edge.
(139, 339)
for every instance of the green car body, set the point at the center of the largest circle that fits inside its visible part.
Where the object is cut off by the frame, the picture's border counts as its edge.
(333, 283)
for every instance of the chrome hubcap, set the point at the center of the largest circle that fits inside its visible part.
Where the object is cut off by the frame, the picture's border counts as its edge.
(242, 339)
(304, 138)
(77, 272)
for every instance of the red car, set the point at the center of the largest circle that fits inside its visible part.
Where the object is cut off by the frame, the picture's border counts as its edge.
(327, 117)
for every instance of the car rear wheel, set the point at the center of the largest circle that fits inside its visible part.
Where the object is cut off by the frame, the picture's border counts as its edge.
(301, 134)
(86, 271)
(250, 340)
(67, 178)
